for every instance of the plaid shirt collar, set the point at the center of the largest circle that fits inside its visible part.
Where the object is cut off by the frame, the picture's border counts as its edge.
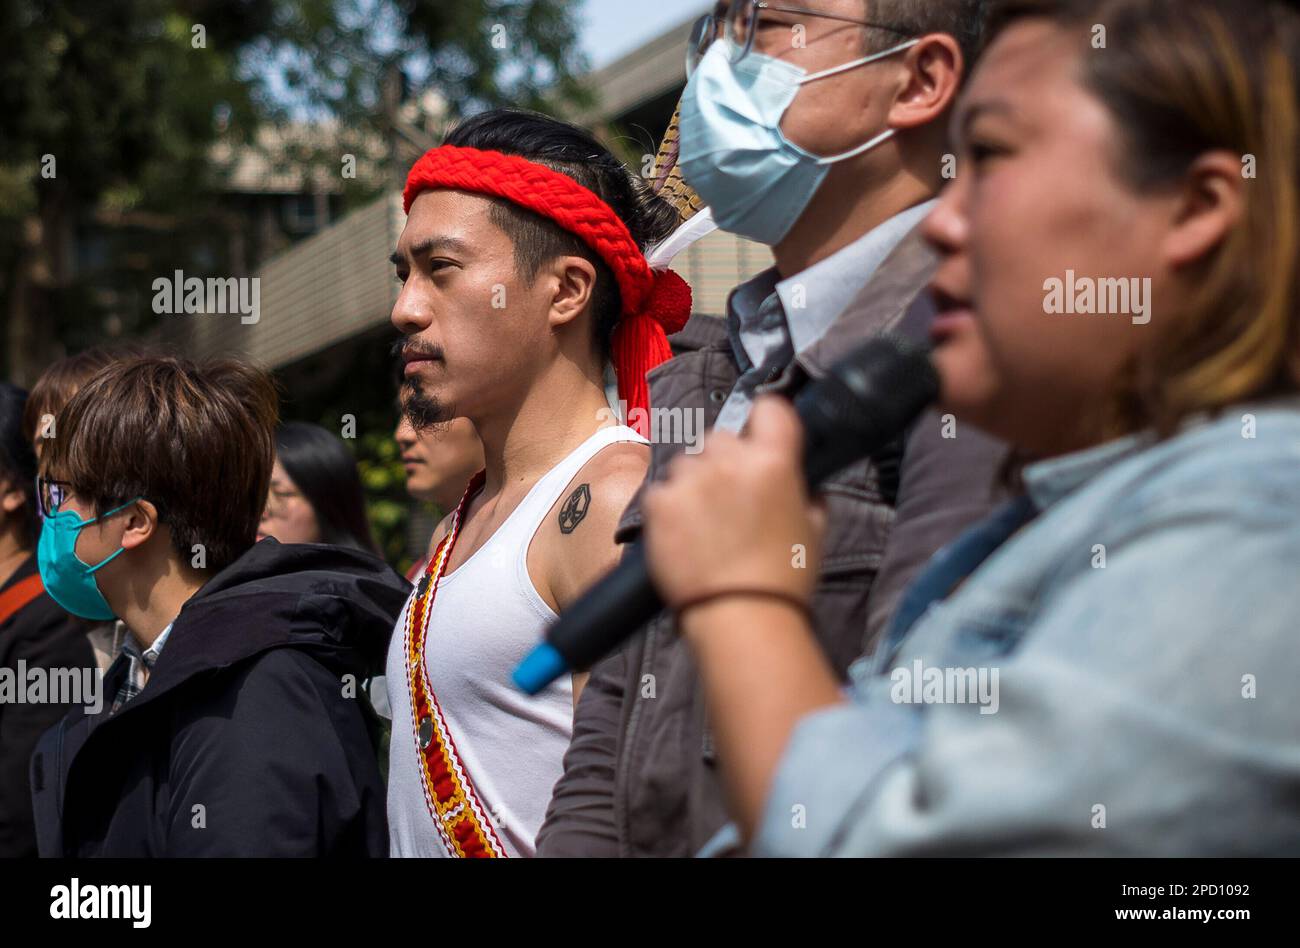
(141, 661)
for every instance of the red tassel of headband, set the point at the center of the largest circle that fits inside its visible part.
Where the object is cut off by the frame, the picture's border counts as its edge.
(655, 302)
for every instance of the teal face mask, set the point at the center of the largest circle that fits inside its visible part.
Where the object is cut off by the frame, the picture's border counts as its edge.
(70, 582)
(733, 153)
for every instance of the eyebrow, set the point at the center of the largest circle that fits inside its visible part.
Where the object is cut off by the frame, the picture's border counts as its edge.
(427, 245)
(963, 121)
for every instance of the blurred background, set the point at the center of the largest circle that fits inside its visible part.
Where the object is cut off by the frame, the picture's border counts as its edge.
(270, 139)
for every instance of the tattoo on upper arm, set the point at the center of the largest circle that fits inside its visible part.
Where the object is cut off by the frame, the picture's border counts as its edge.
(575, 508)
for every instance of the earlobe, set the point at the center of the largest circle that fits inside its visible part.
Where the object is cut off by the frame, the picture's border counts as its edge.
(1209, 207)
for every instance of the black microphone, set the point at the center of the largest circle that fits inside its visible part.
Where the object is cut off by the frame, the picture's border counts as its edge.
(863, 403)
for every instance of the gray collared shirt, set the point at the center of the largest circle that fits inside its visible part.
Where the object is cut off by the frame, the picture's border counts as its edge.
(771, 320)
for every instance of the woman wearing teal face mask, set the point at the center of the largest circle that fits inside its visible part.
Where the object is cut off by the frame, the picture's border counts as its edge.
(236, 689)
(69, 580)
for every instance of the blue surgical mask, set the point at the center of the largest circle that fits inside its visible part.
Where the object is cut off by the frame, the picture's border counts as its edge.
(733, 152)
(70, 582)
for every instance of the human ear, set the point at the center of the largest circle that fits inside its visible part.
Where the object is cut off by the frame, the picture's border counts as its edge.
(932, 80)
(575, 284)
(141, 524)
(1209, 204)
(11, 498)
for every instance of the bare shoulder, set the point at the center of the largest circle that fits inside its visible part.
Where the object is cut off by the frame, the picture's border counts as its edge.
(619, 468)
(575, 544)
(599, 493)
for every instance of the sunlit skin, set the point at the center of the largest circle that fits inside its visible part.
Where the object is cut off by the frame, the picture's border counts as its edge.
(1024, 127)
(908, 92)
(454, 264)
(520, 362)
(439, 463)
(288, 515)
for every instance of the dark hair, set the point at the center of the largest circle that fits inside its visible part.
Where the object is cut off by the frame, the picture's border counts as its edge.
(1181, 78)
(194, 439)
(323, 468)
(60, 381)
(17, 461)
(960, 19)
(575, 152)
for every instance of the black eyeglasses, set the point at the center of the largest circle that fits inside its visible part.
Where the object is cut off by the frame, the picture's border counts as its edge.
(50, 494)
(740, 25)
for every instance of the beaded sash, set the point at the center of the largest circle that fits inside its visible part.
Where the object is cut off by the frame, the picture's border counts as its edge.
(461, 819)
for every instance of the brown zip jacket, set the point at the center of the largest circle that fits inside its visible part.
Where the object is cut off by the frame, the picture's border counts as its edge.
(640, 776)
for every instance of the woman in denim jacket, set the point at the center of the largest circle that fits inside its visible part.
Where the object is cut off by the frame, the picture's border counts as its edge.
(1108, 664)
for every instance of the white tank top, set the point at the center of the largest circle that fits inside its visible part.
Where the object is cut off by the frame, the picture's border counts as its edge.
(475, 772)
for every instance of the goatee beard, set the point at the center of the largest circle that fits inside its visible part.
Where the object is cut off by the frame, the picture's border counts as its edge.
(423, 410)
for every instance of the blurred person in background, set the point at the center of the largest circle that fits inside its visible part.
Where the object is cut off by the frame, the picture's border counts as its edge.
(56, 386)
(316, 497)
(1134, 610)
(230, 724)
(315, 494)
(34, 631)
(438, 464)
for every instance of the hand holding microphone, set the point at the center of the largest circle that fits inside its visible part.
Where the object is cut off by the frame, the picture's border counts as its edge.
(738, 516)
(862, 405)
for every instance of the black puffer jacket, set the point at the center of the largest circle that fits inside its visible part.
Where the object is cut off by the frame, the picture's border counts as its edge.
(250, 738)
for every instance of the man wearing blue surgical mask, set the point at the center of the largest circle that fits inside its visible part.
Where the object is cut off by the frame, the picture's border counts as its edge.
(817, 127)
(782, 135)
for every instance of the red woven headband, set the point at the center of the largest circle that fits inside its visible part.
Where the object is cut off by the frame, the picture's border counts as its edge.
(655, 302)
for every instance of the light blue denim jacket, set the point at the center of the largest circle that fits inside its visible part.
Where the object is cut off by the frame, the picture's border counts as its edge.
(1145, 632)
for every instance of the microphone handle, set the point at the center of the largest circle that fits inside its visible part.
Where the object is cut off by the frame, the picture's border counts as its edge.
(606, 614)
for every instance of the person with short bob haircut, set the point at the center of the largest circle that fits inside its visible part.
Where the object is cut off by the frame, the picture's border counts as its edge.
(231, 723)
(1107, 664)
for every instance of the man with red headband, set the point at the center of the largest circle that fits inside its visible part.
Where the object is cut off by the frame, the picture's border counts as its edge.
(523, 275)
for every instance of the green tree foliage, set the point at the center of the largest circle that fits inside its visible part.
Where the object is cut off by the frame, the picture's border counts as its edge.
(106, 116)
(109, 113)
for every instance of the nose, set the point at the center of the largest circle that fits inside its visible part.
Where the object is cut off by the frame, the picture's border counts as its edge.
(411, 313)
(946, 228)
(403, 434)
